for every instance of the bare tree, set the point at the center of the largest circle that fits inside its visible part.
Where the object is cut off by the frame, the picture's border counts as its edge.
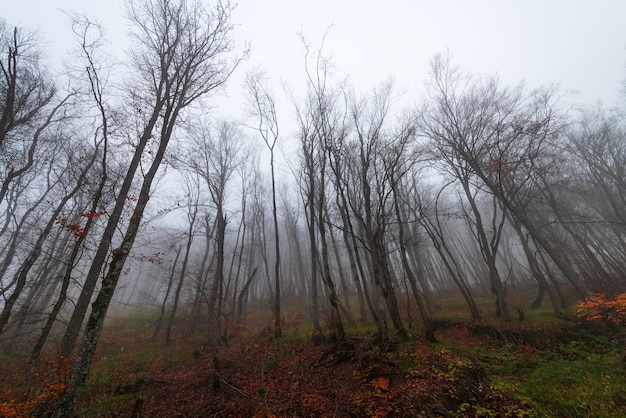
(26, 93)
(593, 200)
(308, 185)
(193, 191)
(428, 214)
(79, 235)
(214, 155)
(487, 232)
(504, 137)
(263, 109)
(371, 191)
(89, 38)
(181, 56)
(168, 290)
(251, 221)
(322, 123)
(398, 162)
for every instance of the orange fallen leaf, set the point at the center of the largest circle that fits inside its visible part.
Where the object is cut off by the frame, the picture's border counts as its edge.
(381, 383)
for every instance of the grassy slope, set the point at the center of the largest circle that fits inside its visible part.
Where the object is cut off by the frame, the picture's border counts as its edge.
(537, 368)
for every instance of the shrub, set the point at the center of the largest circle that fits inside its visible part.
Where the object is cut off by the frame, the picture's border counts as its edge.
(598, 307)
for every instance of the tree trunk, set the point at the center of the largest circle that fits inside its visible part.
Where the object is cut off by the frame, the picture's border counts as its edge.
(22, 273)
(170, 282)
(82, 364)
(335, 317)
(535, 270)
(82, 304)
(428, 325)
(277, 319)
(193, 211)
(214, 313)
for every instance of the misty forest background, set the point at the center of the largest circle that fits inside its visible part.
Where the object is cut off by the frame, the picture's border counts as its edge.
(121, 191)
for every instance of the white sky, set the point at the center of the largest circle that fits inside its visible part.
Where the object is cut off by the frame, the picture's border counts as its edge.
(579, 44)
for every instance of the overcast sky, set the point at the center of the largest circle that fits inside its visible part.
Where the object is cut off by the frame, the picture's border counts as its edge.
(579, 44)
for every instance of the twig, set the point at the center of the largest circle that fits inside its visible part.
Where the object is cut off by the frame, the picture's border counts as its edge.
(223, 380)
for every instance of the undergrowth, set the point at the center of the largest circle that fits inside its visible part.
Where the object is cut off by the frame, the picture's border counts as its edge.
(540, 367)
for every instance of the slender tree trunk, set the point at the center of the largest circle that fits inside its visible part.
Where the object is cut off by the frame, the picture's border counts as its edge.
(170, 282)
(544, 286)
(11, 246)
(454, 270)
(243, 296)
(201, 281)
(436, 234)
(549, 247)
(241, 236)
(277, 319)
(418, 267)
(342, 275)
(488, 247)
(355, 265)
(310, 201)
(68, 403)
(22, 273)
(42, 286)
(299, 262)
(335, 317)
(428, 325)
(214, 308)
(58, 305)
(183, 271)
(387, 287)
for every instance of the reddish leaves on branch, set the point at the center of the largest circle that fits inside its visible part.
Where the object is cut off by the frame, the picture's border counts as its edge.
(93, 214)
(77, 229)
(155, 258)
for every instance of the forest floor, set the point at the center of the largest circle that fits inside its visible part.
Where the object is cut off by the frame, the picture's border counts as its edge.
(535, 368)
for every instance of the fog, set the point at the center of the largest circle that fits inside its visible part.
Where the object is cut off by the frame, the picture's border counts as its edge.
(134, 185)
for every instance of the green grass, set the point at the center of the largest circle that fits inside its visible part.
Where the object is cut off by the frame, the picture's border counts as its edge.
(542, 315)
(367, 328)
(301, 334)
(585, 377)
(589, 387)
(115, 381)
(580, 379)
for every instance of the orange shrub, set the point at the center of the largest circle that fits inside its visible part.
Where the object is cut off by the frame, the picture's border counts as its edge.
(50, 387)
(597, 307)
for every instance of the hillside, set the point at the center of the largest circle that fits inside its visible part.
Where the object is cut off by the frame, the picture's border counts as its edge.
(532, 368)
